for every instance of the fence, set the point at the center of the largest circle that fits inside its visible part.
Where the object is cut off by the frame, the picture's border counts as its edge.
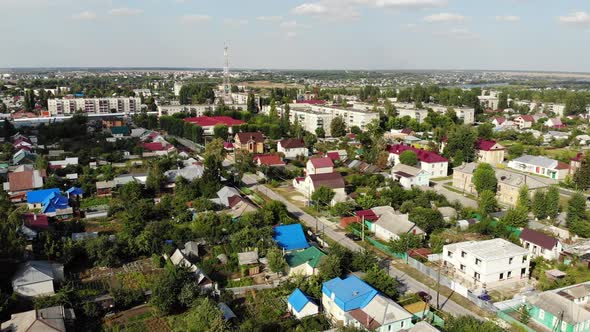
(506, 317)
(380, 245)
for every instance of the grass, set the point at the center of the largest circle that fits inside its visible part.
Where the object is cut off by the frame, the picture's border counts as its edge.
(94, 201)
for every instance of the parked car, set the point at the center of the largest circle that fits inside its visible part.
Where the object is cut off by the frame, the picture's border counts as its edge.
(353, 237)
(424, 296)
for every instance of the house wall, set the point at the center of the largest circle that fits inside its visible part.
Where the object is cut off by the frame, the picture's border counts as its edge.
(548, 320)
(535, 250)
(384, 234)
(309, 309)
(435, 169)
(303, 269)
(322, 170)
(37, 289)
(494, 157)
(399, 325)
(560, 174)
(292, 153)
(332, 311)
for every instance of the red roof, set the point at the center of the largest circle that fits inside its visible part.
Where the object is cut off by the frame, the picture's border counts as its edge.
(362, 317)
(367, 214)
(423, 155)
(562, 165)
(156, 146)
(245, 137)
(228, 145)
(500, 120)
(19, 181)
(269, 160)
(292, 143)
(322, 162)
(484, 144)
(527, 118)
(330, 180)
(333, 155)
(578, 157)
(311, 102)
(36, 220)
(538, 238)
(209, 121)
(407, 131)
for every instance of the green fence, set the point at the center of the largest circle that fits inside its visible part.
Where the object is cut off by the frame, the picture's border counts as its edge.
(507, 318)
(381, 246)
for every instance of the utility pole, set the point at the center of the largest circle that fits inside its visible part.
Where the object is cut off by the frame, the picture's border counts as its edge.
(438, 287)
(226, 81)
(363, 228)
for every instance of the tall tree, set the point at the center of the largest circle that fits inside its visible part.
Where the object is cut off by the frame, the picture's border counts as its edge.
(487, 202)
(516, 217)
(273, 114)
(524, 200)
(427, 219)
(276, 261)
(323, 195)
(582, 175)
(337, 127)
(502, 101)
(463, 139)
(552, 202)
(214, 155)
(575, 103)
(539, 204)
(330, 267)
(577, 218)
(484, 178)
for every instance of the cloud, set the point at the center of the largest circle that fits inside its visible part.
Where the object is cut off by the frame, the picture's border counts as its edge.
(457, 33)
(409, 4)
(85, 16)
(575, 18)
(508, 18)
(125, 11)
(235, 22)
(269, 18)
(311, 9)
(194, 18)
(444, 17)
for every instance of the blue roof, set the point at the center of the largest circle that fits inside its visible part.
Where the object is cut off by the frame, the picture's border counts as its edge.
(290, 237)
(350, 293)
(298, 300)
(55, 201)
(38, 196)
(75, 191)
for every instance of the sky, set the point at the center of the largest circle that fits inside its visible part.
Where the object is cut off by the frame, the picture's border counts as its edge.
(548, 35)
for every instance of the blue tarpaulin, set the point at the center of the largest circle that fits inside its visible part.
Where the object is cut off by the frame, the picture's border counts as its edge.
(290, 237)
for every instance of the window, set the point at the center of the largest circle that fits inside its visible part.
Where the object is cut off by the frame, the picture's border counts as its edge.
(501, 276)
(509, 275)
(524, 259)
(462, 267)
(477, 261)
(510, 260)
(401, 324)
(541, 314)
(463, 254)
(476, 275)
(450, 254)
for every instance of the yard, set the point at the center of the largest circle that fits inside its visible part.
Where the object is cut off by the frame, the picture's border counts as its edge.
(141, 319)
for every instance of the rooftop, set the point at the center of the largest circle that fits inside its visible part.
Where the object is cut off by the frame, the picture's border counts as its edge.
(541, 239)
(207, 121)
(321, 162)
(311, 256)
(489, 249)
(423, 155)
(298, 300)
(349, 293)
(290, 237)
(556, 304)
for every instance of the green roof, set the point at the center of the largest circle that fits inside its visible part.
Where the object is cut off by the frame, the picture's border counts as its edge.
(311, 255)
(122, 130)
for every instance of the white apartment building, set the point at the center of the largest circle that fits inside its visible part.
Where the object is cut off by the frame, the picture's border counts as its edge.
(58, 107)
(239, 98)
(197, 110)
(312, 117)
(481, 263)
(407, 109)
(177, 87)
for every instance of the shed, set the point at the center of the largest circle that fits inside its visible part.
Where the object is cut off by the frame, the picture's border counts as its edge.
(249, 262)
(301, 305)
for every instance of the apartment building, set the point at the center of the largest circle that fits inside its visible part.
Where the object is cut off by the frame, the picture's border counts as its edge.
(483, 262)
(407, 109)
(66, 106)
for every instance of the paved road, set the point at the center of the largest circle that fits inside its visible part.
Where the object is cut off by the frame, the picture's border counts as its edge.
(453, 196)
(329, 229)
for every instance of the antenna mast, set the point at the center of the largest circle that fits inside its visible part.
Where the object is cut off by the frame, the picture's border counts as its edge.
(226, 82)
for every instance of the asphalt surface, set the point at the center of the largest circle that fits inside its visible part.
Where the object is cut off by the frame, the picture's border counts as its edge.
(329, 230)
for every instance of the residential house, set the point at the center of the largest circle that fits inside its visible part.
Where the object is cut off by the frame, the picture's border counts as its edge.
(59, 164)
(250, 142)
(309, 184)
(301, 305)
(35, 198)
(524, 121)
(226, 196)
(409, 176)
(541, 165)
(304, 262)
(290, 237)
(391, 225)
(485, 262)
(189, 172)
(321, 165)
(269, 160)
(105, 188)
(428, 161)
(208, 123)
(583, 139)
(37, 278)
(352, 302)
(157, 149)
(112, 122)
(498, 122)
(19, 182)
(553, 135)
(564, 310)
(120, 131)
(23, 157)
(509, 183)
(178, 258)
(576, 162)
(489, 151)
(554, 123)
(291, 148)
(540, 244)
(52, 319)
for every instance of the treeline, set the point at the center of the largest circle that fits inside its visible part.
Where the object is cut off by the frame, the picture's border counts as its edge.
(179, 127)
(442, 96)
(195, 93)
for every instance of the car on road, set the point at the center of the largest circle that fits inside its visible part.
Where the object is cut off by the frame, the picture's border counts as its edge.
(353, 237)
(424, 296)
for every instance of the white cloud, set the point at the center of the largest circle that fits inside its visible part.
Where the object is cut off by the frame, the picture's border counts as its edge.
(125, 11)
(194, 18)
(409, 4)
(269, 18)
(311, 9)
(457, 33)
(576, 18)
(508, 18)
(444, 17)
(235, 22)
(85, 16)
(349, 9)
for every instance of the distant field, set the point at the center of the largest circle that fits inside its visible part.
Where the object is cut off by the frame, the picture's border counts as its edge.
(268, 84)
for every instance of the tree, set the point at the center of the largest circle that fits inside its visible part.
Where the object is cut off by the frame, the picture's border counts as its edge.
(383, 282)
(276, 261)
(469, 324)
(41, 163)
(485, 130)
(487, 202)
(220, 131)
(516, 217)
(463, 139)
(273, 114)
(155, 178)
(204, 316)
(337, 127)
(330, 267)
(406, 241)
(323, 195)
(484, 178)
(582, 175)
(427, 219)
(409, 158)
(214, 155)
(320, 132)
(363, 260)
(342, 209)
(575, 103)
(251, 103)
(539, 204)
(524, 200)
(577, 218)
(166, 290)
(502, 101)
(552, 202)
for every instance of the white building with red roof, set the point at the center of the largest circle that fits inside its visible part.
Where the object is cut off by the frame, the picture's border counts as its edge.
(270, 160)
(208, 123)
(292, 147)
(321, 165)
(428, 161)
(489, 151)
(524, 121)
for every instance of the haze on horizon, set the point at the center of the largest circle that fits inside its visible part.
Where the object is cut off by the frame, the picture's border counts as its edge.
(303, 34)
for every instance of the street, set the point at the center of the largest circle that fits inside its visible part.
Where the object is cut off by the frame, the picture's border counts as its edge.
(328, 228)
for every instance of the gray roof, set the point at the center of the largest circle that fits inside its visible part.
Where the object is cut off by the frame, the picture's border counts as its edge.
(537, 161)
(423, 327)
(394, 222)
(190, 173)
(507, 177)
(33, 272)
(50, 319)
(556, 304)
(410, 170)
(247, 258)
(225, 193)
